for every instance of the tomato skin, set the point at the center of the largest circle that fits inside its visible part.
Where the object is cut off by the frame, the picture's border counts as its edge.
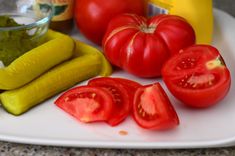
(131, 86)
(204, 83)
(92, 16)
(152, 108)
(122, 98)
(87, 104)
(142, 46)
(175, 31)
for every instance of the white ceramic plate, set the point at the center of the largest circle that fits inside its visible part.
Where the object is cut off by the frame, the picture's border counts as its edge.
(213, 127)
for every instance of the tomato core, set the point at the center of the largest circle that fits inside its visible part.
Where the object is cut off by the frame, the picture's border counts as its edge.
(197, 81)
(148, 110)
(148, 29)
(89, 105)
(215, 63)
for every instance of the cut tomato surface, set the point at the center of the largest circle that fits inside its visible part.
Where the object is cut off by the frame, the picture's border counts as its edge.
(122, 100)
(152, 108)
(197, 76)
(87, 104)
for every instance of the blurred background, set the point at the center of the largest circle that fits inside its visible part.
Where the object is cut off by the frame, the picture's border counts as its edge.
(226, 5)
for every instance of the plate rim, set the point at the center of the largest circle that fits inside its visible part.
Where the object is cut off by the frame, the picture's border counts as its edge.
(120, 144)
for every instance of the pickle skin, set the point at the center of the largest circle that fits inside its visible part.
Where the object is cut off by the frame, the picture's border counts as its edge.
(85, 49)
(35, 62)
(54, 81)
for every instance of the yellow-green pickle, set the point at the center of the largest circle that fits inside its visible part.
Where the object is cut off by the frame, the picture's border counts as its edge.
(87, 62)
(30, 65)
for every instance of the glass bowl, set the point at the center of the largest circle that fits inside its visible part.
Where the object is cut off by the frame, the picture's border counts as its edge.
(23, 25)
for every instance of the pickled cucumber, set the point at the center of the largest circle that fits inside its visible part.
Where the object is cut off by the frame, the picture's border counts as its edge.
(84, 49)
(54, 81)
(88, 62)
(32, 64)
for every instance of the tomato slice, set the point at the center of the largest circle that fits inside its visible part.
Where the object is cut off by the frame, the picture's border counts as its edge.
(152, 108)
(197, 76)
(131, 86)
(87, 104)
(122, 102)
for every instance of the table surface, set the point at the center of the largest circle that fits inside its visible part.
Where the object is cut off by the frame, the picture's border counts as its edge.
(14, 149)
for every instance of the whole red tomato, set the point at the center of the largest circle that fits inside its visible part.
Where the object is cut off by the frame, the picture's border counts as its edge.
(92, 16)
(141, 46)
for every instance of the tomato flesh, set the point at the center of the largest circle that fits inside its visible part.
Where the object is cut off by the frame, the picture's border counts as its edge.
(131, 86)
(87, 104)
(122, 102)
(197, 76)
(152, 108)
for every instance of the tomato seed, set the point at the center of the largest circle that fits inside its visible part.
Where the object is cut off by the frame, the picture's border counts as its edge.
(143, 114)
(93, 95)
(194, 85)
(178, 68)
(186, 64)
(210, 83)
(117, 100)
(81, 96)
(66, 99)
(113, 90)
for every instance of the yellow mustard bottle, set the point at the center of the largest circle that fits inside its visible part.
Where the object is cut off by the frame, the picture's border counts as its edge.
(199, 13)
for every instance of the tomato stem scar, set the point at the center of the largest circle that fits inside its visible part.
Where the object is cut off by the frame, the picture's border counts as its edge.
(214, 64)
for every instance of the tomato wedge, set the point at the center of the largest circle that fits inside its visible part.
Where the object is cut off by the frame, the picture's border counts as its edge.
(87, 104)
(130, 85)
(197, 76)
(122, 102)
(152, 108)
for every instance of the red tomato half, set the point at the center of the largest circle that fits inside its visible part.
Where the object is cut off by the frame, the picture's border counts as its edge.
(141, 46)
(122, 99)
(92, 16)
(197, 76)
(152, 108)
(87, 104)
